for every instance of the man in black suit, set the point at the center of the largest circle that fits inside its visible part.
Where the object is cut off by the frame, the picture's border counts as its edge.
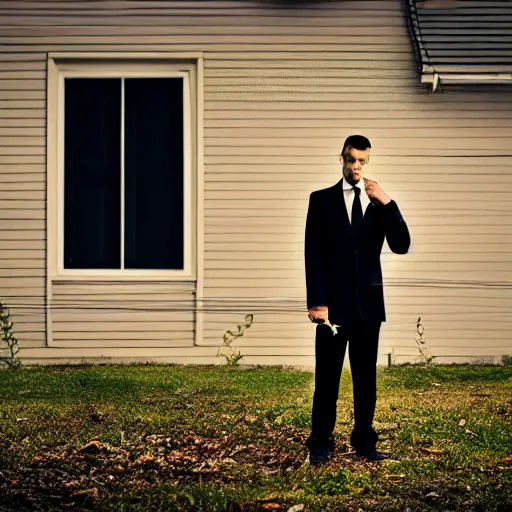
(344, 287)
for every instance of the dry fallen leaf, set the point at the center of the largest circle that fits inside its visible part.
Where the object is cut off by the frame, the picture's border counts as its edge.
(92, 447)
(70, 484)
(433, 451)
(91, 493)
(143, 459)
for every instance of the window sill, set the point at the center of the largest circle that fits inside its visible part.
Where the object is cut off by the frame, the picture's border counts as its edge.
(122, 278)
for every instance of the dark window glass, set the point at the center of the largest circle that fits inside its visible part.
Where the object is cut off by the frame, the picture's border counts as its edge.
(92, 167)
(154, 173)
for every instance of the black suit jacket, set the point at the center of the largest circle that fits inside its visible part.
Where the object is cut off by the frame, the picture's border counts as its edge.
(343, 271)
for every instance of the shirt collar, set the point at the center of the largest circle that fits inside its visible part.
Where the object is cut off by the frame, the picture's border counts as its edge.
(348, 186)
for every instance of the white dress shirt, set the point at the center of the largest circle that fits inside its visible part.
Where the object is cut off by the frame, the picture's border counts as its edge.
(348, 192)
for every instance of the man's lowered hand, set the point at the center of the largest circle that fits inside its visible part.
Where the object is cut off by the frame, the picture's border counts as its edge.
(319, 313)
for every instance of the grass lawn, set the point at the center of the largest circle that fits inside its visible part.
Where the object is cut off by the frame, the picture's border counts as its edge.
(215, 438)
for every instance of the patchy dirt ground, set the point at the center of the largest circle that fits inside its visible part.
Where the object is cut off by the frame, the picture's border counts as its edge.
(180, 438)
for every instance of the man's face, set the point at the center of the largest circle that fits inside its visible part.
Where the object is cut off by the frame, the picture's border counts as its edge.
(352, 164)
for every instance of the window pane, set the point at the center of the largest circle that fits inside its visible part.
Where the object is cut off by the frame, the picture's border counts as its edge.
(154, 173)
(92, 183)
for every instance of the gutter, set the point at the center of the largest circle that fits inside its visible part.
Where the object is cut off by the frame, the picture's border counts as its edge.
(435, 77)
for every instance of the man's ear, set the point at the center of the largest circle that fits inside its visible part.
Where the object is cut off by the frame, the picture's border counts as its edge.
(341, 159)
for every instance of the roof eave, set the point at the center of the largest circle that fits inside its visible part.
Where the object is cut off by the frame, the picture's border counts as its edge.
(454, 77)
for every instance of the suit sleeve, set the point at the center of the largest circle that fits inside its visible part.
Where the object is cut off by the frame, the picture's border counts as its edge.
(395, 229)
(313, 253)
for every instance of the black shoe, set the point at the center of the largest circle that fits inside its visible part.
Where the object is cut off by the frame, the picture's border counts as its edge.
(371, 454)
(320, 450)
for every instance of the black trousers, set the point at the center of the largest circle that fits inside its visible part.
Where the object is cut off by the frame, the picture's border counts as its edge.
(363, 339)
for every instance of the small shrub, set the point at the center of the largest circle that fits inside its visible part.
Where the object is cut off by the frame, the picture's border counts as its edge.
(506, 360)
(427, 356)
(8, 338)
(232, 357)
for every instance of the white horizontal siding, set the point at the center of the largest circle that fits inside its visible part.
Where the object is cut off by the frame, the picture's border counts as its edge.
(22, 194)
(283, 86)
(274, 124)
(122, 314)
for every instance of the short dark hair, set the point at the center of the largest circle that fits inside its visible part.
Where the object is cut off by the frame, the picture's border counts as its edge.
(357, 142)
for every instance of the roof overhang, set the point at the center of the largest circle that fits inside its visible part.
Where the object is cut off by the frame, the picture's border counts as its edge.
(461, 41)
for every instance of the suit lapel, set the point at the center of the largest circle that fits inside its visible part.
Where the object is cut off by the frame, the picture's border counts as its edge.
(340, 205)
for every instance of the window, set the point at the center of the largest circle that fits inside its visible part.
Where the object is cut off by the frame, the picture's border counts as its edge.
(124, 163)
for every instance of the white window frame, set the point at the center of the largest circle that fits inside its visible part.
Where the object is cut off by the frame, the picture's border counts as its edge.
(186, 65)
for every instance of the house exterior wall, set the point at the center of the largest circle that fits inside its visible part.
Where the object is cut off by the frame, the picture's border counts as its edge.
(282, 86)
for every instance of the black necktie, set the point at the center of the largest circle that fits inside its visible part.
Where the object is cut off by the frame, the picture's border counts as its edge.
(357, 212)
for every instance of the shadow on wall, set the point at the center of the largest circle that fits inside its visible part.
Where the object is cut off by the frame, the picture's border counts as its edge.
(278, 3)
(422, 4)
